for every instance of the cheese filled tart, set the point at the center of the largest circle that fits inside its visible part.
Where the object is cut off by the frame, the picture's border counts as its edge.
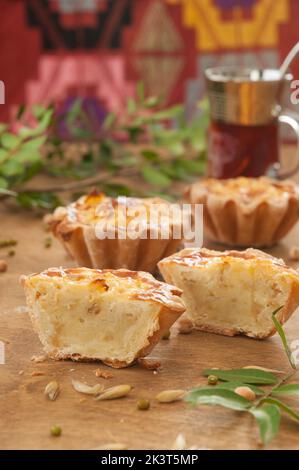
(115, 316)
(233, 292)
(248, 212)
(124, 232)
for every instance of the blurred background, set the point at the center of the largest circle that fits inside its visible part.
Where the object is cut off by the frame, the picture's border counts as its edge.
(112, 92)
(57, 50)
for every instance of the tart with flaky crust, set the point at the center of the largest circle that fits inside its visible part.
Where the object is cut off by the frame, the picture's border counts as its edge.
(233, 292)
(249, 212)
(135, 224)
(115, 316)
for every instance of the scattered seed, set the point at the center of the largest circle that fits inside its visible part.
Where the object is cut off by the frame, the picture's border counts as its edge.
(8, 242)
(265, 369)
(47, 219)
(103, 374)
(37, 373)
(149, 364)
(119, 391)
(169, 396)
(52, 390)
(212, 380)
(112, 446)
(166, 335)
(11, 253)
(48, 242)
(143, 404)
(56, 431)
(246, 392)
(179, 443)
(38, 359)
(185, 326)
(87, 389)
(21, 372)
(3, 266)
(21, 310)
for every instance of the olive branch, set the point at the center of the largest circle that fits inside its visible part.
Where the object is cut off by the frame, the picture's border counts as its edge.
(266, 406)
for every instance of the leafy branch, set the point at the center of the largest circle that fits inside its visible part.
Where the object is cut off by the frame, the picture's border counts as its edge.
(142, 152)
(238, 390)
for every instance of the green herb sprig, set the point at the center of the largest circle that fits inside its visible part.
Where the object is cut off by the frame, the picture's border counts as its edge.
(268, 405)
(142, 152)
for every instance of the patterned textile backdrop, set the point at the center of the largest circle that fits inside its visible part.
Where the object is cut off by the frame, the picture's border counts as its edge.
(57, 50)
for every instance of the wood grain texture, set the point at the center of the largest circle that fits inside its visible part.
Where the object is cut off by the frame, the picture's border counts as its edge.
(26, 416)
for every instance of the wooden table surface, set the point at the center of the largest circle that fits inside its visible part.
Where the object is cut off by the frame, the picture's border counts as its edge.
(26, 416)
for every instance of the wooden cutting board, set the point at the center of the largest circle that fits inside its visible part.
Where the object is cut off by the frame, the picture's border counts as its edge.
(26, 416)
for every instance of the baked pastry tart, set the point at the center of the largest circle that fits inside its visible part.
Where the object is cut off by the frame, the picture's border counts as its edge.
(115, 316)
(249, 212)
(233, 292)
(104, 232)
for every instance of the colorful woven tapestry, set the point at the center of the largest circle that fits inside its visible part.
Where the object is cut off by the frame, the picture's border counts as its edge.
(57, 50)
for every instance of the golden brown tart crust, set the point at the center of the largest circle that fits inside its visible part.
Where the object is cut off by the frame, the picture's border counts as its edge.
(256, 212)
(75, 224)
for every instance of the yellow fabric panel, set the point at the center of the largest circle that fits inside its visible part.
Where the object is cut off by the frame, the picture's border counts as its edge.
(213, 33)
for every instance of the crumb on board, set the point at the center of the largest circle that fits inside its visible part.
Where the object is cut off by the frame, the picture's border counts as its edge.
(3, 266)
(37, 373)
(185, 326)
(103, 374)
(38, 359)
(294, 253)
(149, 364)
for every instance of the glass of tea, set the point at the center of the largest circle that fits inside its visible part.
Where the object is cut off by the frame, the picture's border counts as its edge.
(246, 112)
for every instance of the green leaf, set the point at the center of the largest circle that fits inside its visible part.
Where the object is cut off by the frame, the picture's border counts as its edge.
(291, 389)
(44, 122)
(9, 140)
(222, 397)
(154, 176)
(287, 409)
(140, 91)
(3, 155)
(20, 111)
(134, 132)
(131, 105)
(3, 183)
(109, 120)
(194, 166)
(115, 190)
(233, 385)
(170, 113)
(26, 155)
(35, 200)
(3, 127)
(283, 338)
(35, 143)
(28, 172)
(38, 111)
(128, 160)
(151, 102)
(150, 155)
(248, 376)
(12, 167)
(268, 418)
(43, 125)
